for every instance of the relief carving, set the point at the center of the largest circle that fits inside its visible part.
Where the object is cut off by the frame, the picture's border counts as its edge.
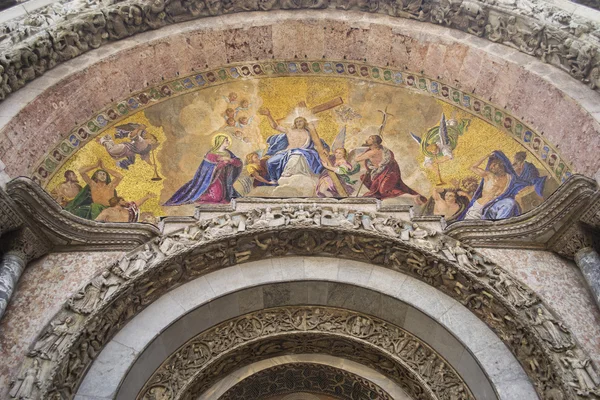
(534, 335)
(53, 34)
(187, 372)
(54, 340)
(551, 330)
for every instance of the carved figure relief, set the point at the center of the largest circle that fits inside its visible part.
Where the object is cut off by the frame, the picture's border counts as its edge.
(533, 333)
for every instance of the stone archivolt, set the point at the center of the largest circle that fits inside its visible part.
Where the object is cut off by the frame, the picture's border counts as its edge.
(545, 348)
(417, 368)
(305, 377)
(41, 41)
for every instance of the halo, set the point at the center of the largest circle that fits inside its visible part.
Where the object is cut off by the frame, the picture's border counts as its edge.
(300, 112)
(213, 141)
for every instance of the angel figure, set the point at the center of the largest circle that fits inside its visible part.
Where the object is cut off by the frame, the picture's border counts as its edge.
(140, 142)
(340, 164)
(438, 144)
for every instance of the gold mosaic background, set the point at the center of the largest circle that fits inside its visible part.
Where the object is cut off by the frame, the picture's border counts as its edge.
(185, 125)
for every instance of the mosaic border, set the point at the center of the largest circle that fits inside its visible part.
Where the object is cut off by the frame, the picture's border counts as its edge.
(45, 169)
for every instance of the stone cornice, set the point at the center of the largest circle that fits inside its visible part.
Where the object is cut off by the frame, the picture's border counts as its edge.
(68, 232)
(537, 229)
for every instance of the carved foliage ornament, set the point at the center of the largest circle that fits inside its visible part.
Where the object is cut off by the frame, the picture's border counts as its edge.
(394, 352)
(305, 377)
(534, 335)
(53, 35)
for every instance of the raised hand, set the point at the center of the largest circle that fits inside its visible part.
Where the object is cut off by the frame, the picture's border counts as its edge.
(264, 111)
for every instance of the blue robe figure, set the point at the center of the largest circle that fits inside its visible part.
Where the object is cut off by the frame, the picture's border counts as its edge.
(529, 173)
(214, 179)
(505, 205)
(279, 156)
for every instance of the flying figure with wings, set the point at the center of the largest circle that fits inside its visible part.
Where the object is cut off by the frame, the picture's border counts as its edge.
(438, 144)
(340, 163)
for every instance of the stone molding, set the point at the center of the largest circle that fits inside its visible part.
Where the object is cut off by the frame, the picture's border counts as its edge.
(537, 338)
(17, 233)
(305, 377)
(9, 216)
(548, 226)
(68, 232)
(569, 42)
(392, 351)
(472, 349)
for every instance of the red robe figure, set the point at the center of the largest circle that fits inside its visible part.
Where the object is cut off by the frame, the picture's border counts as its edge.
(383, 178)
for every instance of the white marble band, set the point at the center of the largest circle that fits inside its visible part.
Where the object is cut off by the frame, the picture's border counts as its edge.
(479, 356)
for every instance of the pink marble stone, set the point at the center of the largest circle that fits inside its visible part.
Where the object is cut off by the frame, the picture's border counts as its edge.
(379, 45)
(561, 287)
(400, 50)
(286, 40)
(486, 82)
(470, 70)
(336, 49)
(417, 53)
(454, 58)
(505, 83)
(261, 42)
(357, 39)
(434, 60)
(237, 45)
(42, 290)
(311, 43)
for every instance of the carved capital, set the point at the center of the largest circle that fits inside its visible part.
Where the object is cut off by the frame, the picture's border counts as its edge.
(9, 214)
(25, 244)
(575, 238)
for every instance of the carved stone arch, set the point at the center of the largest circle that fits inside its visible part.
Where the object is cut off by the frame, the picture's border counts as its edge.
(482, 71)
(528, 29)
(327, 378)
(387, 349)
(547, 352)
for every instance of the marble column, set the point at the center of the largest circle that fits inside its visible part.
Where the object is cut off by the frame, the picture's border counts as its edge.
(11, 267)
(588, 260)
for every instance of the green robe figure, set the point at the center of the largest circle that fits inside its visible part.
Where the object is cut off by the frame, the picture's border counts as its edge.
(95, 196)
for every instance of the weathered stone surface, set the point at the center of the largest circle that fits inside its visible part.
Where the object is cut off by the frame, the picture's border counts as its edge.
(44, 285)
(76, 90)
(588, 260)
(561, 285)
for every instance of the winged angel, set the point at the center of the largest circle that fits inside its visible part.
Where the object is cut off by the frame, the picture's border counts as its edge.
(342, 164)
